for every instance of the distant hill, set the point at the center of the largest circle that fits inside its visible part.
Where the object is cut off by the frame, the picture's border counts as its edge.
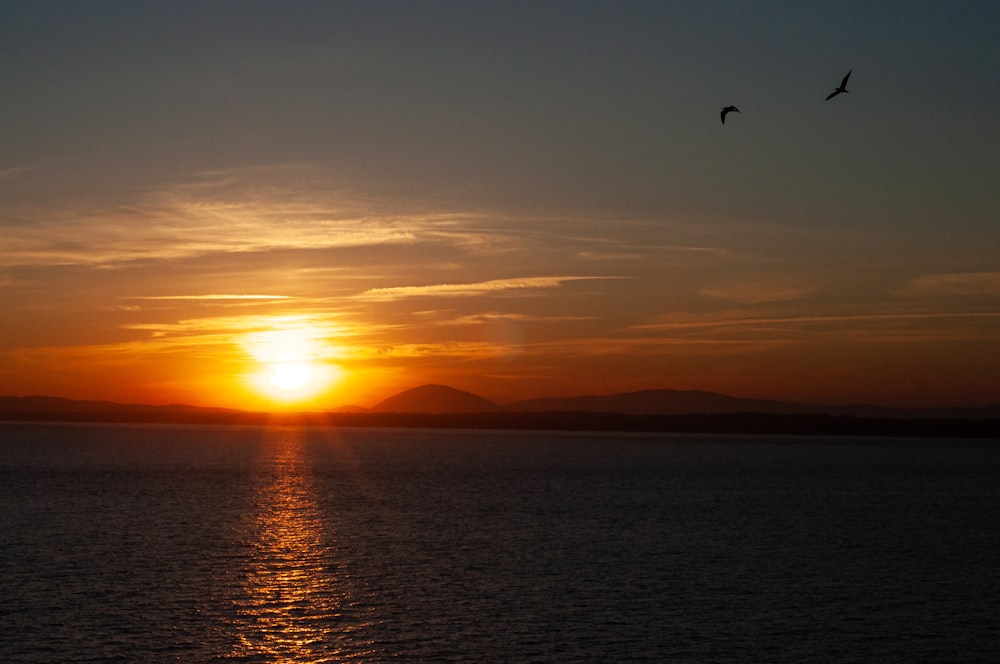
(686, 402)
(349, 408)
(435, 399)
(657, 402)
(442, 399)
(57, 409)
(439, 406)
(42, 405)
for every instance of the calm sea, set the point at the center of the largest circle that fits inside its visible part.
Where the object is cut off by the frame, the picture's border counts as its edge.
(197, 544)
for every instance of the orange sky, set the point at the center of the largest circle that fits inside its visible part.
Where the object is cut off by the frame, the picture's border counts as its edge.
(322, 208)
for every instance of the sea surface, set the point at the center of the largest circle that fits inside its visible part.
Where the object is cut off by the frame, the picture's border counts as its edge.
(153, 543)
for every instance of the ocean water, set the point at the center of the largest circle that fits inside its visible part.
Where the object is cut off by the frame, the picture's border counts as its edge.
(136, 543)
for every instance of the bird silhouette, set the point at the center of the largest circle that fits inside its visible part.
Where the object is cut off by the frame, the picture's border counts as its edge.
(842, 88)
(727, 109)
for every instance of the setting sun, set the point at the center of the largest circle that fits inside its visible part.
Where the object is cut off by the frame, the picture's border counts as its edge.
(290, 375)
(291, 360)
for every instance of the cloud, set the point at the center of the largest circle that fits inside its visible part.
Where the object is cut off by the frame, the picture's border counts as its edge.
(299, 207)
(956, 283)
(236, 324)
(885, 326)
(726, 322)
(222, 297)
(565, 348)
(14, 171)
(117, 236)
(757, 292)
(607, 256)
(478, 288)
(238, 337)
(476, 319)
(240, 211)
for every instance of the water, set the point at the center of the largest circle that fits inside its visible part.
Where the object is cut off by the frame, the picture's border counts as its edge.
(215, 544)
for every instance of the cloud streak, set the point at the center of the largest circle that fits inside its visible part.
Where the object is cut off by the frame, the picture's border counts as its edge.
(468, 289)
(757, 292)
(210, 297)
(14, 171)
(919, 326)
(955, 283)
(241, 211)
(299, 207)
(123, 235)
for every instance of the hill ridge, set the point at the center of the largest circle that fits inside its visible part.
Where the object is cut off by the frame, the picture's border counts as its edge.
(435, 398)
(443, 400)
(665, 401)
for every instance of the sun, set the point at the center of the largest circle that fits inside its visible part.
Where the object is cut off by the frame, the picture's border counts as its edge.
(293, 361)
(290, 376)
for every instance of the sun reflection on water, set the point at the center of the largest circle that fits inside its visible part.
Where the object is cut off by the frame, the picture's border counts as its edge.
(297, 605)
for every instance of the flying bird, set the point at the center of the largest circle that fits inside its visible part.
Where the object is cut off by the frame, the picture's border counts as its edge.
(727, 109)
(842, 88)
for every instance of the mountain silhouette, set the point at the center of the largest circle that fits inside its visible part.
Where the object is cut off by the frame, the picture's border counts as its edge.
(435, 399)
(44, 404)
(658, 402)
(687, 402)
(442, 406)
(443, 399)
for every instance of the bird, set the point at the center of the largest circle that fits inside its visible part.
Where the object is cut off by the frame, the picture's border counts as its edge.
(842, 88)
(726, 110)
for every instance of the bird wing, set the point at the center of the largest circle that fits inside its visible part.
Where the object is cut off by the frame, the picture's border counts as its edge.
(723, 114)
(831, 95)
(843, 84)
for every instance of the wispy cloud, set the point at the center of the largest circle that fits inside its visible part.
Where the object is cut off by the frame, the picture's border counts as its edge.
(300, 207)
(14, 171)
(142, 233)
(476, 319)
(236, 324)
(239, 337)
(467, 289)
(955, 283)
(885, 326)
(607, 256)
(562, 349)
(210, 297)
(875, 317)
(248, 210)
(757, 292)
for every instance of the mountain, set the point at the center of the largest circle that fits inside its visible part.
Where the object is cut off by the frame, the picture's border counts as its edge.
(443, 399)
(658, 402)
(43, 405)
(349, 408)
(685, 402)
(439, 405)
(435, 399)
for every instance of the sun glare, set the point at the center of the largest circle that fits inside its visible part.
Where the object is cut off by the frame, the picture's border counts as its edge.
(292, 361)
(290, 375)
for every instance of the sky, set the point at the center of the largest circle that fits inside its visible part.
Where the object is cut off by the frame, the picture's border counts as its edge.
(314, 204)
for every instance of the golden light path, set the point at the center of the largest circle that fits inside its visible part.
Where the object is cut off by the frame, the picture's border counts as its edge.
(294, 607)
